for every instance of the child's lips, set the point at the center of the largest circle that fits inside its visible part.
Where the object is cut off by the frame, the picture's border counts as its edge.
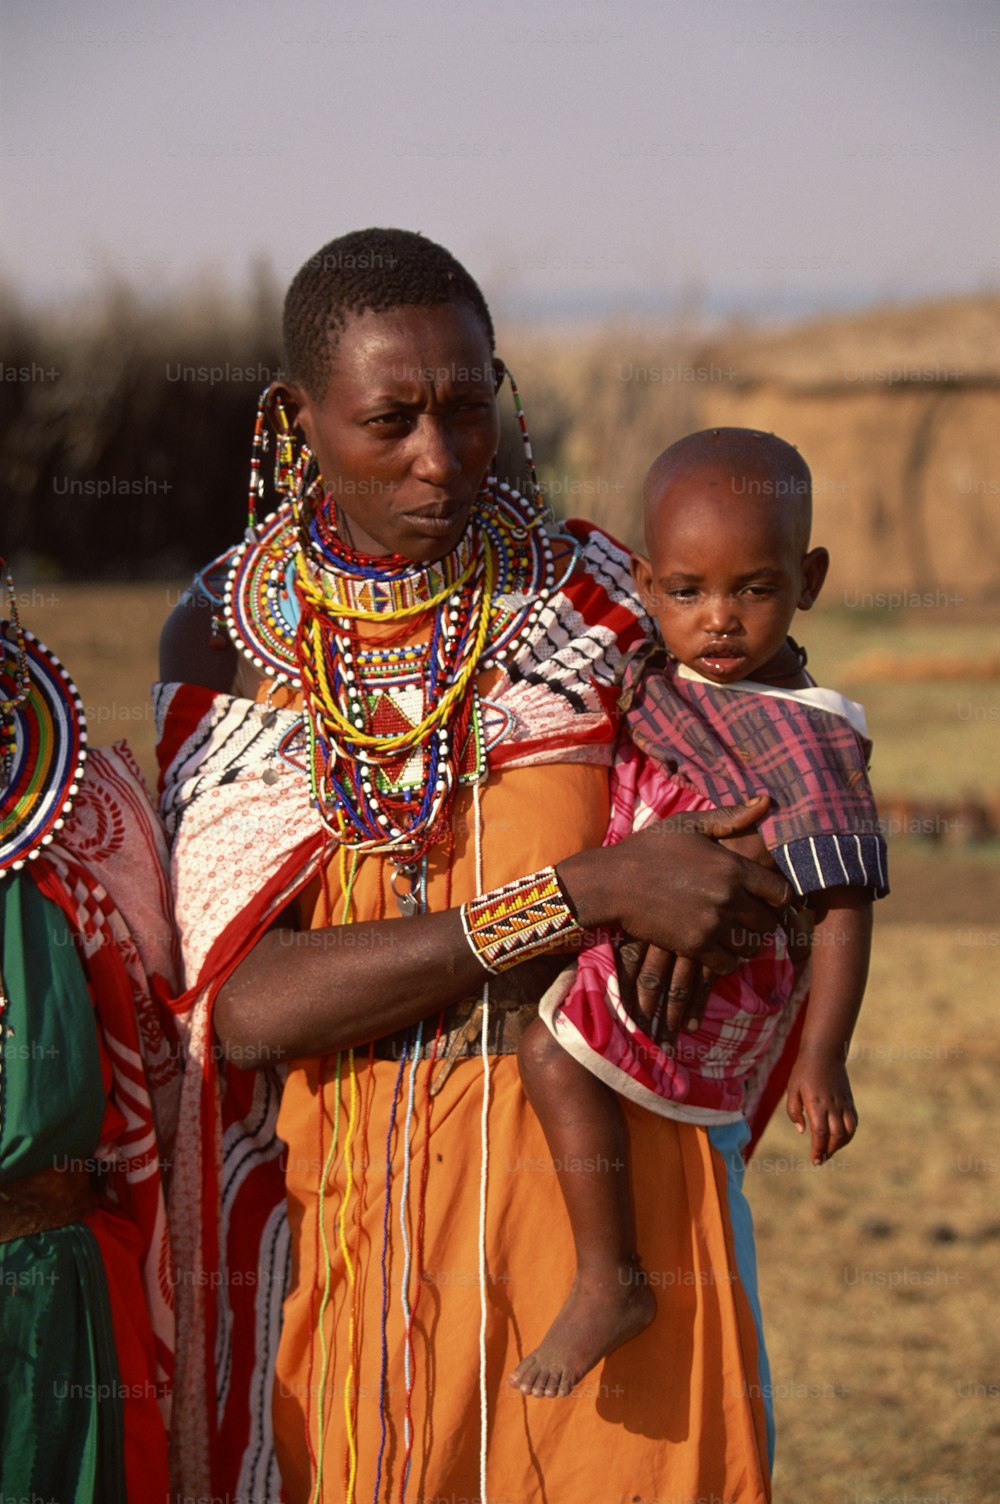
(723, 659)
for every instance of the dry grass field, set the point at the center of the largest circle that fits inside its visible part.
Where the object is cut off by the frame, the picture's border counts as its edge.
(879, 1271)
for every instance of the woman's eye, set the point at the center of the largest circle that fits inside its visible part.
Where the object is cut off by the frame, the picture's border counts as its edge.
(473, 408)
(388, 420)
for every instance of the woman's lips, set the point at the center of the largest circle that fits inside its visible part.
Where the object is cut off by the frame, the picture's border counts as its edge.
(436, 524)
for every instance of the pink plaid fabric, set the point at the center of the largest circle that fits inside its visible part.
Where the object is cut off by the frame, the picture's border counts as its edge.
(704, 1080)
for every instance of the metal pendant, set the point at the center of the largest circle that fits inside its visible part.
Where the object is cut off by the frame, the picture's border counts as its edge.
(407, 901)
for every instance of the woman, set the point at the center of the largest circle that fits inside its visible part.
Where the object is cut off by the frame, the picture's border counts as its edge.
(397, 702)
(88, 1088)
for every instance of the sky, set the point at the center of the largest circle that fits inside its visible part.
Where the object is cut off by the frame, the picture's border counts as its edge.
(584, 159)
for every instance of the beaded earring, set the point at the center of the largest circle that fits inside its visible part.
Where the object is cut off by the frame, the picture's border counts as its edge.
(544, 509)
(295, 474)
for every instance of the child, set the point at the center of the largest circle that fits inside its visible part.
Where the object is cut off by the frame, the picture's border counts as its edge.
(729, 713)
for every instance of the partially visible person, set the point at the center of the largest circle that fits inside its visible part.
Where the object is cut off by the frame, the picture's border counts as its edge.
(386, 726)
(88, 1100)
(724, 710)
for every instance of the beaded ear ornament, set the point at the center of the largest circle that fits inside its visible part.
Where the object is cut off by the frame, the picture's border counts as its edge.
(43, 741)
(393, 722)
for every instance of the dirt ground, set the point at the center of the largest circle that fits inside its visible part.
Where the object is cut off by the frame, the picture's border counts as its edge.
(879, 1271)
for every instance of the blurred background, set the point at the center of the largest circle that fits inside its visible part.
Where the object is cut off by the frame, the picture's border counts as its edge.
(776, 213)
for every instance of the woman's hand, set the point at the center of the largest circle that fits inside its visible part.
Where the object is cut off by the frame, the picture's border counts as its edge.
(662, 990)
(694, 909)
(666, 992)
(673, 885)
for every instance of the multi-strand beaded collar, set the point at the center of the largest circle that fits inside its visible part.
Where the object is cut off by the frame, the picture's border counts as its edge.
(386, 653)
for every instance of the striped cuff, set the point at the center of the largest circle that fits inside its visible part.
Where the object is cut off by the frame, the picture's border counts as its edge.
(813, 863)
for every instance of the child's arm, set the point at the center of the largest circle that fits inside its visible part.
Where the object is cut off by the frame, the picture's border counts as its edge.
(819, 1089)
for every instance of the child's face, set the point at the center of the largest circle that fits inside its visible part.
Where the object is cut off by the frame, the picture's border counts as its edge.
(727, 569)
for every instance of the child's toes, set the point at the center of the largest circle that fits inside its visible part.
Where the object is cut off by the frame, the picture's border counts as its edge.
(525, 1374)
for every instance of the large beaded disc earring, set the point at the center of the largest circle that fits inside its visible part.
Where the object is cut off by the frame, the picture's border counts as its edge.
(43, 740)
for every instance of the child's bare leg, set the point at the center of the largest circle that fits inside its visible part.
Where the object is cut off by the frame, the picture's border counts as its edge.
(610, 1301)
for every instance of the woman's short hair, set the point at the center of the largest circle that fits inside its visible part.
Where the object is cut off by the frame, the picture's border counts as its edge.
(375, 270)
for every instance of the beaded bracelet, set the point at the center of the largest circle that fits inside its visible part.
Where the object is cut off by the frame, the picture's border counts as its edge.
(523, 919)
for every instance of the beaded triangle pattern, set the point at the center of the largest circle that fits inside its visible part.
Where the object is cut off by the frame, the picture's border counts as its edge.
(391, 730)
(530, 915)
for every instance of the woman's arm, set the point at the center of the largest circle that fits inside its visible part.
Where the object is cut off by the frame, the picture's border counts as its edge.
(310, 993)
(192, 653)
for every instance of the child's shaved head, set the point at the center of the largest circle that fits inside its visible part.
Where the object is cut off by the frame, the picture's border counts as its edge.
(727, 514)
(735, 463)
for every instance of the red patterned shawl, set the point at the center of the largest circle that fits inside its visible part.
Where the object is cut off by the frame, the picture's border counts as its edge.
(107, 871)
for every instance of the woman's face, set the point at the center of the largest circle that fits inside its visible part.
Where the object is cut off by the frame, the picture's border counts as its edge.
(407, 427)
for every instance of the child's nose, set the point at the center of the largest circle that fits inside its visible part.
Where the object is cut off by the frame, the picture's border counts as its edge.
(721, 615)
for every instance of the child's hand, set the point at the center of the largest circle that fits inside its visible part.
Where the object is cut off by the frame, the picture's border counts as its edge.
(819, 1090)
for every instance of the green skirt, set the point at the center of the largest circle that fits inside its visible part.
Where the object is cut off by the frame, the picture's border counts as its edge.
(61, 1430)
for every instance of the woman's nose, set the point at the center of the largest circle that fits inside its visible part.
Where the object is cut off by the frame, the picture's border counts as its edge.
(436, 460)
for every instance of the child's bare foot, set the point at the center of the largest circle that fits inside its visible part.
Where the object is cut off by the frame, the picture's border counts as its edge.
(599, 1315)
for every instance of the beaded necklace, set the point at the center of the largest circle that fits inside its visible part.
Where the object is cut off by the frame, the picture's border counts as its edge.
(392, 725)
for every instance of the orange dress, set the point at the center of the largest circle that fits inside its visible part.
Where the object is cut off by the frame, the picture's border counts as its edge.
(378, 1382)
(380, 1390)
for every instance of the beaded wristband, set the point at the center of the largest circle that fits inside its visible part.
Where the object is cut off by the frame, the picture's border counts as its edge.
(525, 918)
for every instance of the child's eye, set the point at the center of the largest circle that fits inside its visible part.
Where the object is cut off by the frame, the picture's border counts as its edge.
(760, 592)
(685, 593)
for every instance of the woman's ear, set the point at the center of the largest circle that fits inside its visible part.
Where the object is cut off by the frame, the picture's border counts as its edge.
(283, 404)
(499, 372)
(814, 568)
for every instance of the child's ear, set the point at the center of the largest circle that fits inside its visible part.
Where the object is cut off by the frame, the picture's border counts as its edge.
(814, 568)
(642, 576)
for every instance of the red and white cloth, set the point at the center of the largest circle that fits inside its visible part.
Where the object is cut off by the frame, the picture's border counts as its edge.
(106, 870)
